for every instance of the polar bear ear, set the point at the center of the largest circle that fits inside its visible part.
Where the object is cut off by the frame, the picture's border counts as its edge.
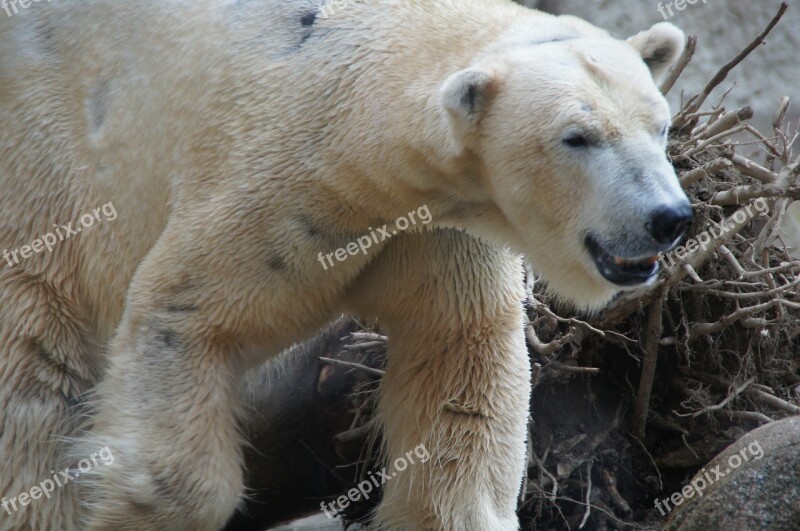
(466, 96)
(660, 47)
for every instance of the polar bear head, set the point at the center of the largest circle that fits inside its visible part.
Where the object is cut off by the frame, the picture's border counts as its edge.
(571, 130)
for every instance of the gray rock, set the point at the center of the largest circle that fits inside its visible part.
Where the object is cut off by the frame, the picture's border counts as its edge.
(756, 493)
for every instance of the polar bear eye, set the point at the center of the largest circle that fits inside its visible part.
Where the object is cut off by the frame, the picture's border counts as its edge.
(576, 140)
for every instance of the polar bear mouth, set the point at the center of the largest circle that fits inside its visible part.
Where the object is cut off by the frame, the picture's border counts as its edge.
(620, 270)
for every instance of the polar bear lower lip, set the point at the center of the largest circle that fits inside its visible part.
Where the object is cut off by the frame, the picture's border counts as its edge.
(626, 262)
(626, 272)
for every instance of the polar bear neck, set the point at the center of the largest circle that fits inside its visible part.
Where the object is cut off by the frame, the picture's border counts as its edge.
(371, 109)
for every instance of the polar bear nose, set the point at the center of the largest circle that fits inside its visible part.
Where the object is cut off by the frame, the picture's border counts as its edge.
(668, 224)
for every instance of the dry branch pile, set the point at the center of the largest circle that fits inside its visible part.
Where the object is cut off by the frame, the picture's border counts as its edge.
(651, 389)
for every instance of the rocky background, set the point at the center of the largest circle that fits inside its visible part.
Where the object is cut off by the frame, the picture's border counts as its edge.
(723, 27)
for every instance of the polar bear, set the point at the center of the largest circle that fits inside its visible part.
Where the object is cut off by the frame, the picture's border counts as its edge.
(239, 141)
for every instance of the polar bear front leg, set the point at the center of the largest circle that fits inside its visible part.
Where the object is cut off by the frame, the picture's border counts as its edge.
(169, 403)
(456, 392)
(167, 416)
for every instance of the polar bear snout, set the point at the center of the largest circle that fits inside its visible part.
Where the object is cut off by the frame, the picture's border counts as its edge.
(668, 224)
(632, 259)
(619, 268)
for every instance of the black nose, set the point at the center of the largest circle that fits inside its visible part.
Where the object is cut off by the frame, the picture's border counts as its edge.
(669, 223)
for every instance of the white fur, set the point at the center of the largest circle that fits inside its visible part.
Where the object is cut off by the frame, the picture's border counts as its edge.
(236, 144)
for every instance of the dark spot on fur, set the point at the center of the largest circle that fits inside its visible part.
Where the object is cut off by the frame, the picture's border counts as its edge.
(179, 286)
(168, 338)
(181, 308)
(55, 368)
(557, 38)
(309, 18)
(277, 263)
(48, 40)
(163, 489)
(307, 21)
(308, 226)
(97, 104)
(459, 409)
(145, 510)
(560, 38)
(469, 98)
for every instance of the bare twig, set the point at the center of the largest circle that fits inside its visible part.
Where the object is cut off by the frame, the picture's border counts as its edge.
(353, 365)
(653, 335)
(690, 177)
(697, 101)
(710, 409)
(571, 368)
(588, 495)
(680, 65)
(751, 169)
